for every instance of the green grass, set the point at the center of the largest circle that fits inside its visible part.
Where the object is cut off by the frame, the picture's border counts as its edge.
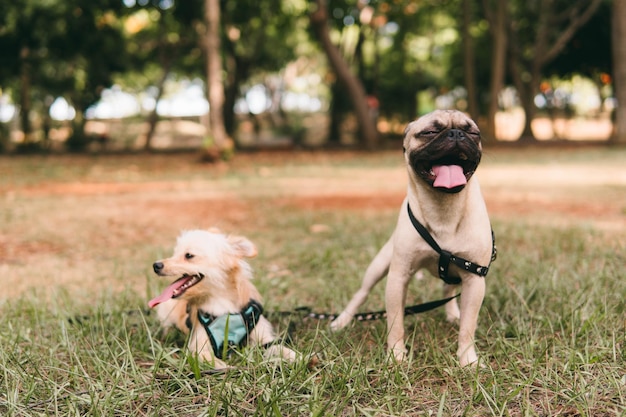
(552, 334)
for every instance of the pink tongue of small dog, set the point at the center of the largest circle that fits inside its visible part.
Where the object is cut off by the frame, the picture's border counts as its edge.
(167, 293)
(448, 176)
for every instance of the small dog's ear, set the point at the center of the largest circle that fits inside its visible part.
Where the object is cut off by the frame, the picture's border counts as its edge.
(243, 246)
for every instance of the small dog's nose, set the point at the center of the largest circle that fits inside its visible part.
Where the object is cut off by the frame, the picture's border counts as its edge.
(157, 266)
(455, 134)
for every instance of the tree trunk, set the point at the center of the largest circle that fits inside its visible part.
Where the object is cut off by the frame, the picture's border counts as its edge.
(498, 23)
(336, 114)
(469, 60)
(219, 144)
(528, 90)
(78, 140)
(153, 117)
(25, 104)
(367, 128)
(532, 77)
(237, 70)
(619, 69)
(166, 55)
(528, 104)
(545, 50)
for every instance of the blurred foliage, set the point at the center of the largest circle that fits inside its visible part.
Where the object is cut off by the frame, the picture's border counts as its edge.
(401, 50)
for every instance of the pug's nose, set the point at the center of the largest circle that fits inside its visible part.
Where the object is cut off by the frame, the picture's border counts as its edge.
(157, 266)
(455, 134)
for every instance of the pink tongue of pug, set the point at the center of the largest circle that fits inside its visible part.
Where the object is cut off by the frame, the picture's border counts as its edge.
(168, 292)
(448, 176)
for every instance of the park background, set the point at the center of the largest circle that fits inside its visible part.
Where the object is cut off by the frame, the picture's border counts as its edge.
(109, 150)
(130, 75)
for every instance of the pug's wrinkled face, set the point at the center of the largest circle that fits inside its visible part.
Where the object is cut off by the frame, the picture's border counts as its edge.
(443, 149)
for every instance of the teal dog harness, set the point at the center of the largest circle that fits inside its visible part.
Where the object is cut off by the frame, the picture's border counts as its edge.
(230, 330)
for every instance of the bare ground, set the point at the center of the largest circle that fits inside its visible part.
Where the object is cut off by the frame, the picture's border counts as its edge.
(96, 232)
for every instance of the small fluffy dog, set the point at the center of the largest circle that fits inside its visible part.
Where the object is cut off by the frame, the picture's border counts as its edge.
(443, 227)
(212, 298)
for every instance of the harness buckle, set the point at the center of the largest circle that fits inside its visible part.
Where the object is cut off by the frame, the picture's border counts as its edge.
(445, 257)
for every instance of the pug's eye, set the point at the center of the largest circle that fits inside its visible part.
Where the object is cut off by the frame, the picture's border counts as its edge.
(473, 133)
(189, 255)
(469, 129)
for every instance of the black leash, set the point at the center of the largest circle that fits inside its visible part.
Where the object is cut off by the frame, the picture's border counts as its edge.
(307, 314)
(303, 312)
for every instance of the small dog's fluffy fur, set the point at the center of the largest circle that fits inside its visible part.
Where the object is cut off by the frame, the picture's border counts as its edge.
(217, 281)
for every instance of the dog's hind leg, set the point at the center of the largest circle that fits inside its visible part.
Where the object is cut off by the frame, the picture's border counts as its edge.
(376, 271)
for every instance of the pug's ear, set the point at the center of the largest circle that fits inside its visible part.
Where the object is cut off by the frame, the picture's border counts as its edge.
(243, 246)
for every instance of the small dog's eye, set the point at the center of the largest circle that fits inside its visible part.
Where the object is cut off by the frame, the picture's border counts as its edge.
(189, 255)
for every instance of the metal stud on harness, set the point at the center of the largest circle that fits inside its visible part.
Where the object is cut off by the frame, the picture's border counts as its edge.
(445, 257)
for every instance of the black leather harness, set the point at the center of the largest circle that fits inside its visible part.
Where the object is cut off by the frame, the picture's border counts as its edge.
(446, 257)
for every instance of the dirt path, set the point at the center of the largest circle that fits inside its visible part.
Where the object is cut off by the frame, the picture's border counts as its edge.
(572, 197)
(97, 233)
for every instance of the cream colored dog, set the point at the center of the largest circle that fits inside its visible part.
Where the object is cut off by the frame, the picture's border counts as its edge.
(212, 298)
(442, 150)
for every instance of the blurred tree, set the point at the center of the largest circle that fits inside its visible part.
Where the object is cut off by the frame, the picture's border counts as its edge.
(259, 37)
(162, 38)
(539, 32)
(619, 72)
(469, 58)
(401, 54)
(354, 35)
(24, 50)
(368, 131)
(70, 48)
(219, 144)
(588, 53)
(67, 48)
(421, 56)
(87, 56)
(256, 38)
(13, 54)
(496, 12)
(404, 55)
(166, 49)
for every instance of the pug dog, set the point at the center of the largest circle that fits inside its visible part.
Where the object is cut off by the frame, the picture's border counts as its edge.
(442, 150)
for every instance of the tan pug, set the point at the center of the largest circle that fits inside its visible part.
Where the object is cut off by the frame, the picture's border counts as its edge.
(442, 150)
(212, 299)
